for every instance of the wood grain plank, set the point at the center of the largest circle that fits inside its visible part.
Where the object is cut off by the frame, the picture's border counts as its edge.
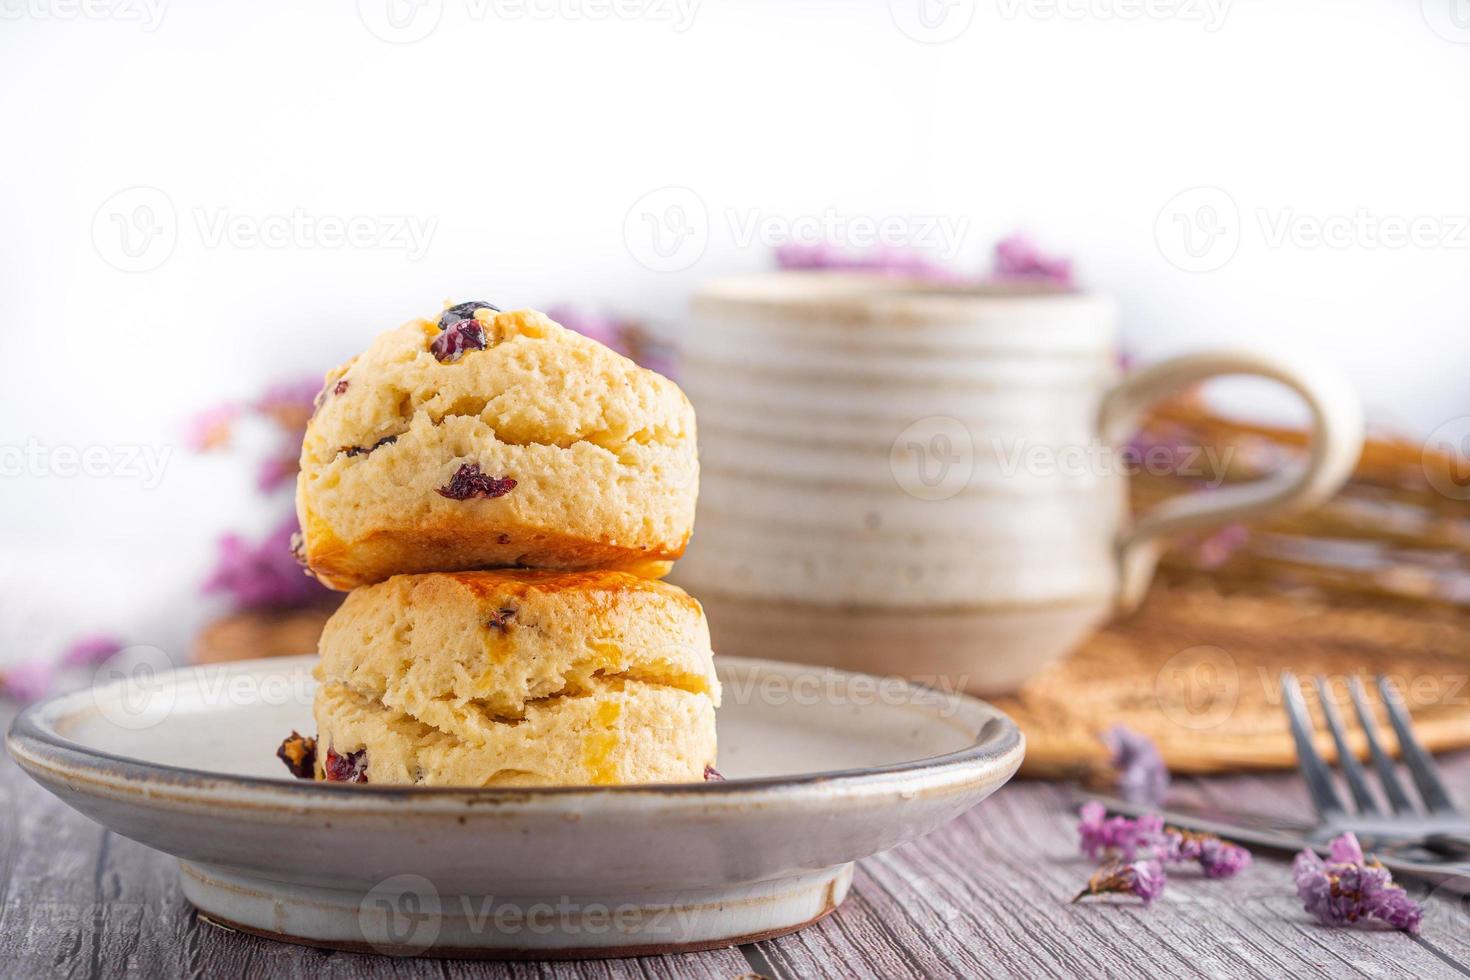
(77, 901)
(987, 896)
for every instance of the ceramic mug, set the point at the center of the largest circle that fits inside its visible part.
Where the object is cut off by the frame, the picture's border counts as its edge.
(910, 478)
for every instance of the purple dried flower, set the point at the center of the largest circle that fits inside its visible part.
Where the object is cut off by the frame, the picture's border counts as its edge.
(1128, 839)
(28, 681)
(1017, 257)
(898, 262)
(457, 340)
(90, 650)
(211, 428)
(1216, 858)
(469, 482)
(289, 404)
(275, 472)
(1216, 549)
(1144, 878)
(1118, 836)
(1345, 849)
(1142, 775)
(1346, 890)
(263, 575)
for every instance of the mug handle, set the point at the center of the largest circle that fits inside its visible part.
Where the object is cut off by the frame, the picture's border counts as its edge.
(1333, 447)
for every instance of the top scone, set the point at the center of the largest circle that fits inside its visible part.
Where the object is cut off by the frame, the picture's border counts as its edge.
(493, 440)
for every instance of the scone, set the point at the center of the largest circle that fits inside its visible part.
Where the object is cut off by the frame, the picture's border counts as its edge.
(494, 440)
(523, 678)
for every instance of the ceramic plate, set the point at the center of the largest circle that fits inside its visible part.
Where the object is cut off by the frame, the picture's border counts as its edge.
(824, 767)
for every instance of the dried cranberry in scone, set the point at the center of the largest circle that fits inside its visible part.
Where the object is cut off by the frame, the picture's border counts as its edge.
(457, 340)
(349, 768)
(469, 482)
(360, 451)
(464, 311)
(299, 754)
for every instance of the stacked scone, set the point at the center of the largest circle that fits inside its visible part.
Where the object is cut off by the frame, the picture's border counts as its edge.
(501, 494)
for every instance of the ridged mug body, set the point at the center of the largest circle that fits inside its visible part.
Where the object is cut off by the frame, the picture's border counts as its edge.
(901, 478)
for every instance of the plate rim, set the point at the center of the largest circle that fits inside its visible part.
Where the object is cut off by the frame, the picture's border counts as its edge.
(37, 745)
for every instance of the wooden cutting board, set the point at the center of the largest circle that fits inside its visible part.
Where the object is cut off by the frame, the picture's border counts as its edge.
(1197, 668)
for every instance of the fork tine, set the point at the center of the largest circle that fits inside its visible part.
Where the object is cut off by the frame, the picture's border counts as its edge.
(1345, 758)
(1392, 788)
(1420, 763)
(1314, 770)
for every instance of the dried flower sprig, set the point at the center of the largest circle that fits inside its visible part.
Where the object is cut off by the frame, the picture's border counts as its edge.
(28, 681)
(1148, 837)
(1137, 851)
(1144, 878)
(1104, 836)
(263, 574)
(211, 428)
(1348, 890)
(34, 679)
(1142, 776)
(90, 650)
(1217, 858)
(1017, 259)
(904, 263)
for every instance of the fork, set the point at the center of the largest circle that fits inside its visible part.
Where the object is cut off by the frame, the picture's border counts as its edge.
(1436, 826)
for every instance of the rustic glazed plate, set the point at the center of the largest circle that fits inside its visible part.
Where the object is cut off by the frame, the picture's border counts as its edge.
(824, 767)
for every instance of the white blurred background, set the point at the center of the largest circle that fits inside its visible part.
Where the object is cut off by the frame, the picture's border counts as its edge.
(179, 179)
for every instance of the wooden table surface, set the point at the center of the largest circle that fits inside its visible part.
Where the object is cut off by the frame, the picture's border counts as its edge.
(986, 896)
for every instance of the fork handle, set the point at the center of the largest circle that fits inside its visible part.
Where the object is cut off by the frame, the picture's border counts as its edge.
(1454, 845)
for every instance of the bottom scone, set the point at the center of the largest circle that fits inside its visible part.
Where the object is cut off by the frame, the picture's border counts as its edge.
(513, 679)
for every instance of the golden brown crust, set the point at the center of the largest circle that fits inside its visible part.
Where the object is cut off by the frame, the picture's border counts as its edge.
(587, 459)
(472, 544)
